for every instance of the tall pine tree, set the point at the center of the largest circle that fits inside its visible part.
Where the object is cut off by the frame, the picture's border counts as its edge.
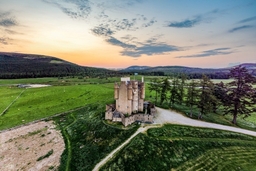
(240, 93)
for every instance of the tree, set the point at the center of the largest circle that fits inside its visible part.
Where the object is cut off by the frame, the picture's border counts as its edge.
(206, 97)
(240, 93)
(174, 91)
(181, 88)
(154, 86)
(191, 96)
(164, 87)
(219, 92)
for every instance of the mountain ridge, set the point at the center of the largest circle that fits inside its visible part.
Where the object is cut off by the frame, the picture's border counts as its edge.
(19, 65)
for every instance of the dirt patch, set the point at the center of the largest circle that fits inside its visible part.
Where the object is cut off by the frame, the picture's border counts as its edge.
(26, 148)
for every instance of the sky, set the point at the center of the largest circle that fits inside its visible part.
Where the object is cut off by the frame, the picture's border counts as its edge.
(121, 33)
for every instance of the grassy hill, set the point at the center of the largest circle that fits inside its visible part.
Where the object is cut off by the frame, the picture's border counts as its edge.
(17, 65)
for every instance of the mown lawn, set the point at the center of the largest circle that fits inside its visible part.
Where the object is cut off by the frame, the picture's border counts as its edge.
(37, 103)
(175, 147)
(8, 95)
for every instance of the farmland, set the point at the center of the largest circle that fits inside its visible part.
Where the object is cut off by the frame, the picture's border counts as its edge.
(37, 103)
(186, 148)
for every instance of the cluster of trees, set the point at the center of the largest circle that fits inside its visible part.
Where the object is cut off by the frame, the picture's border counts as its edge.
(236, 97)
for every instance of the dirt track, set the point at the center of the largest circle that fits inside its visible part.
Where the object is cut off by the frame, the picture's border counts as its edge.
(20, 148)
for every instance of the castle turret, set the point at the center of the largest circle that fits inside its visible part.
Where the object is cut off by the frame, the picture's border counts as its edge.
(142, 93)
(116, 91)
(129, 92)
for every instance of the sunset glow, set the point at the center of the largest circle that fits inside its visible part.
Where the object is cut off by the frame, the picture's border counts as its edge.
(118, 34)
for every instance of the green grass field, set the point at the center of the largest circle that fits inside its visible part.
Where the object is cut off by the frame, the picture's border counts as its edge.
(37, 103)
(87, 138)
(70, 93)
(175, 147)
(65, 94)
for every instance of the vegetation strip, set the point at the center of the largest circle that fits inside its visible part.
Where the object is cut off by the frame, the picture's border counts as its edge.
(46, 155)
(12, 103)
(69, 143)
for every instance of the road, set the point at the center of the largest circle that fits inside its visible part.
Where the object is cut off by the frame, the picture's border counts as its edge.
(169, 116)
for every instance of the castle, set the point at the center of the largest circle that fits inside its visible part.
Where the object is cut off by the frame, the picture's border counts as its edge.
(130, 106)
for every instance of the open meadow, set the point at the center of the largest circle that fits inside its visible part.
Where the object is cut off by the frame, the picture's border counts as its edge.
(38, 103)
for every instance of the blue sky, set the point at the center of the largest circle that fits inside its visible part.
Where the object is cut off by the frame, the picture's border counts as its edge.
(112, 33)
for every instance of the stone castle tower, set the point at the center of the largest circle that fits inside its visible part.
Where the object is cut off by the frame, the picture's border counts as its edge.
(130, 106)
(129, 96)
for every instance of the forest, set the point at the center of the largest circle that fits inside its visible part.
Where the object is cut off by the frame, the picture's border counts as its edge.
(237, 97)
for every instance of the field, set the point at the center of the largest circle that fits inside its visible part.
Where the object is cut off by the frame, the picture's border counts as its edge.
(43, 102)
(77, 106)
(175, 147)
(37, 103)
(88, 139)
(64, 95)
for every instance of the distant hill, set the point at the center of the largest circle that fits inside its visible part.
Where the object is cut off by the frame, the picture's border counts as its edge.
(192, 72)
(17, 65)
(137, 68)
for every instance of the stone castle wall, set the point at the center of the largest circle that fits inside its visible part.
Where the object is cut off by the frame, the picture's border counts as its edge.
(129, 96)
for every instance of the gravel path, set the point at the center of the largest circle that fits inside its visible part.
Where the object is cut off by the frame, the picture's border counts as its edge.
(169, 116)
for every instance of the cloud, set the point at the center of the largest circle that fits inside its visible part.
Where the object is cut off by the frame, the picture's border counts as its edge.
(6, 20)
(5, 40)
(186, 23)
(196, 20)
(108, 27)
(240, 28)
(116, 42)
(106, 5)
(213, 52)
(77, 9)
(124, 24)
(8, 31)
(150, 23)
(149, 47)
(247, 20)
(102, 30)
